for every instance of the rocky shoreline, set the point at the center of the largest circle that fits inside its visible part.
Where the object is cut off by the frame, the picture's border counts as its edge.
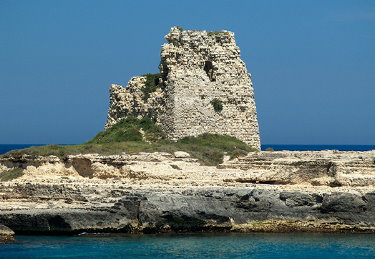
(281, 191)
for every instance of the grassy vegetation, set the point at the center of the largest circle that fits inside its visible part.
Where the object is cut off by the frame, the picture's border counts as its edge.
(211, 148)
(217, 33)
(129, 130)
(152, 82)
(126, 137)
(11, 174)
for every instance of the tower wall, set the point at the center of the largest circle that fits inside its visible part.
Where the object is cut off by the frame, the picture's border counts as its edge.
(200, 73)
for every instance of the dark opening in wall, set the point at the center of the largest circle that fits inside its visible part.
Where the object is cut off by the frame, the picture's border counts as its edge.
(209, 68)
(217, 104)
(164, 72)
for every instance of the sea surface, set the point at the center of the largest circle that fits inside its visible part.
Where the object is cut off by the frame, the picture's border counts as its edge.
(230, 245)
(279, 147)
(8, 147)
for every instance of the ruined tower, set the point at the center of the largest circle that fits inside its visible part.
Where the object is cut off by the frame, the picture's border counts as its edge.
(203, 87)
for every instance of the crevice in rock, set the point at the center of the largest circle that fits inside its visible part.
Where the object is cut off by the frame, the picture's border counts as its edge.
(257, 181)
(209, 68)
(83, 167)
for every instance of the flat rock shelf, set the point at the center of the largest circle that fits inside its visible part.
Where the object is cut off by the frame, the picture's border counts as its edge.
(281, 191)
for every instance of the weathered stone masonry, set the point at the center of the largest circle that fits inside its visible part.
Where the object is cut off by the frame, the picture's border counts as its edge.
(197, 68)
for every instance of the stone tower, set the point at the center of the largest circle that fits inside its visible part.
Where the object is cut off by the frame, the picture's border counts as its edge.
(203, 87)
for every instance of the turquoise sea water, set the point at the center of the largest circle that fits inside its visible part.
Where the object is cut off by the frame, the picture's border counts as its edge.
(256, 245)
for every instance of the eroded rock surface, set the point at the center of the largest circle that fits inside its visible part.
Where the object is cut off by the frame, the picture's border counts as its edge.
(162, 192)
(6, 234)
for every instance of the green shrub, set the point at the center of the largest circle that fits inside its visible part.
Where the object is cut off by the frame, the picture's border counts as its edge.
(152, 82)
(128, 129)
(217, 33)
(217, 104)
(11, 174)
(179, 28)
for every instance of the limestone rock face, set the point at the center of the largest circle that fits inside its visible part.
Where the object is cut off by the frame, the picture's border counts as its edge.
(203, 87)
(163, 192)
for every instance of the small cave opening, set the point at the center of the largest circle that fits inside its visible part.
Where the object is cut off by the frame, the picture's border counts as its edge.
(209, 68)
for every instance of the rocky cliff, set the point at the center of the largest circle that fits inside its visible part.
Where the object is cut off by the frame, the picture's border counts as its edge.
(203, 87)
(162, 192)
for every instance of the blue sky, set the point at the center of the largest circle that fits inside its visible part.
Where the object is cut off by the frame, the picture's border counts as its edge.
(313, 63)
